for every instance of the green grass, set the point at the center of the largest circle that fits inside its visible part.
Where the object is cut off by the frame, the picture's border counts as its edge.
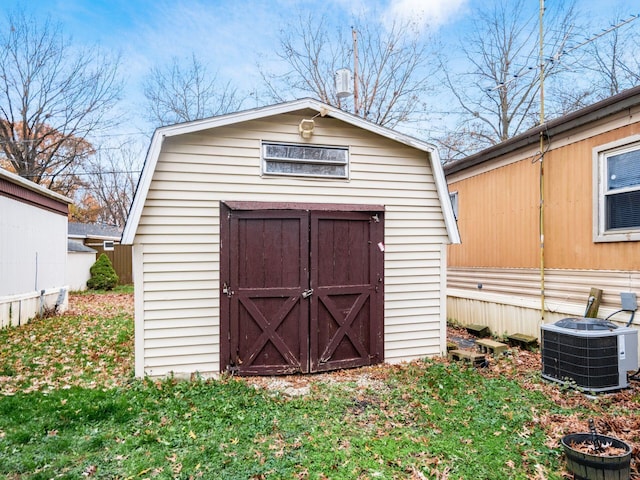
(72, 409)
(428, 419)
(118, 289)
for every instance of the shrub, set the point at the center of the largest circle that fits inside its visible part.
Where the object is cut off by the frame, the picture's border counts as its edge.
(103, 276)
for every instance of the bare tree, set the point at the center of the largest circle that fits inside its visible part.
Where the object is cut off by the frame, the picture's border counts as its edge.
(111, 178)
(392, 68)
(499, 91)
(52, 97)
(184, 91)
(612, 60)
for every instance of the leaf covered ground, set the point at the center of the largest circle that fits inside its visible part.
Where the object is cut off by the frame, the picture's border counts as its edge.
(90, 346)
(70, 408)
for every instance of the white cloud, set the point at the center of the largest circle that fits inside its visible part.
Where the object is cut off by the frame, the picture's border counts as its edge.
(425, 14)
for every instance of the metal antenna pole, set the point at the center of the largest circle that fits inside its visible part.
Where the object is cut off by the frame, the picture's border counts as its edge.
(541, 164)
(356, 108)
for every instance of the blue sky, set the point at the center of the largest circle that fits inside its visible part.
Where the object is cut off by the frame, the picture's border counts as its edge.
(232, 36)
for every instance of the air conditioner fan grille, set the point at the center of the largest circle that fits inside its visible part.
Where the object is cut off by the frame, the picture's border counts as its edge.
(590, 362)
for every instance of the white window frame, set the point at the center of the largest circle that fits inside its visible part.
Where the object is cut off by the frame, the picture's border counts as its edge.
(266, 158)
(600, 155)
(453, 198)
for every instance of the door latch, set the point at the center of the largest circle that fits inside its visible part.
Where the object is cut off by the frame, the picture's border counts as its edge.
(226, 289)
(307, 293)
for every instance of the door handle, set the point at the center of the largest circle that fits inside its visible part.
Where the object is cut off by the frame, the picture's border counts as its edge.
(307, 293)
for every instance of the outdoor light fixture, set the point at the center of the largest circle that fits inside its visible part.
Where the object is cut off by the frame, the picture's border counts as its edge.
(306, 127)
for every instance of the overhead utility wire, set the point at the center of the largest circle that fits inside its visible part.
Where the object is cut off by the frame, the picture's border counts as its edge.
(109, 172)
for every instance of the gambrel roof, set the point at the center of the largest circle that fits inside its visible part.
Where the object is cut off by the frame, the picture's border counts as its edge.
(284, 108)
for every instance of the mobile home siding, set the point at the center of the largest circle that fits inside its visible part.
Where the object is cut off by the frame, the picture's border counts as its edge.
(178, 235)
(498, 212)
(494, 275)
(33, 250)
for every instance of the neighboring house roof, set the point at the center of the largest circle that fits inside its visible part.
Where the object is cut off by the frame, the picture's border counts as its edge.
(23, 190)
(93, 231)
(77, 247)
(597, 111)
(247, 115)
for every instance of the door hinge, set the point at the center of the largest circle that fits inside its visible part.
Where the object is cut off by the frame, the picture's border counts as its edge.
(307, 293)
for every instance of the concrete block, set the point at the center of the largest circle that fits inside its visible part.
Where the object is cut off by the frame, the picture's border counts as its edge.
(477, 359)
(478, 330)
(491, 346)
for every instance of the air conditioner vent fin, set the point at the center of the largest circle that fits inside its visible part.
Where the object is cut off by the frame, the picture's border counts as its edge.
(596, 360)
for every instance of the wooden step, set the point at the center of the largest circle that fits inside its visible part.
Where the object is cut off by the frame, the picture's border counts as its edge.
(490, 346)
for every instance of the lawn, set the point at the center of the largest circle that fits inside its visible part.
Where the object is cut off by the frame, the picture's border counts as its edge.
(70, 408)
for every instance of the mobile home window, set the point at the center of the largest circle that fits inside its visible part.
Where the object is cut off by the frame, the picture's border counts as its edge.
(305, 160)
(619, 193)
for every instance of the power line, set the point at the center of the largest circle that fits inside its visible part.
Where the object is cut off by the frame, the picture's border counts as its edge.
(108, 172)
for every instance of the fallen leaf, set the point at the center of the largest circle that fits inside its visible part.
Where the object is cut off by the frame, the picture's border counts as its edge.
(90, 471)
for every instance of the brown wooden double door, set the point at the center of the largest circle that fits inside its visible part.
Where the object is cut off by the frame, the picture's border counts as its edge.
(301, 290)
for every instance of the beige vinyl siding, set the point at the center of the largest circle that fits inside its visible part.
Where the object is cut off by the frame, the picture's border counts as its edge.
(179, 231)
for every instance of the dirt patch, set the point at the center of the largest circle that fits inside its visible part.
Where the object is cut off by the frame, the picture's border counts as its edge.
(363, 378)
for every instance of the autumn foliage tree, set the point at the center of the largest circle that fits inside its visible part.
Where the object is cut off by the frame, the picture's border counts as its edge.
(85, 209)
(53, 97)
(112, 183)
(44, 156)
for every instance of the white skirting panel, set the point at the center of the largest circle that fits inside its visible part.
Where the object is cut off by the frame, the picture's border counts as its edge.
(509, 300)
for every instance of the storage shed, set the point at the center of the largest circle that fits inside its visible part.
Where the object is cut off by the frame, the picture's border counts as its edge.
(289, 238)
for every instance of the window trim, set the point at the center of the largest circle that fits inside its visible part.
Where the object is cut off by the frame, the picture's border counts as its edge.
(599, 154)
(265, 159)
(453, 198)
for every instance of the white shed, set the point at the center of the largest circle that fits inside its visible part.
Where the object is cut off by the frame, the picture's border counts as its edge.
(33, 249)
(290, 238)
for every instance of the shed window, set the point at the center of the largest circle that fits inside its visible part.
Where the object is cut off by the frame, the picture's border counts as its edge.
(305, 160)
(619, 193)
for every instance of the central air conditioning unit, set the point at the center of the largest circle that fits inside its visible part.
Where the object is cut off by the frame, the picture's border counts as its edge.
(589, 353)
